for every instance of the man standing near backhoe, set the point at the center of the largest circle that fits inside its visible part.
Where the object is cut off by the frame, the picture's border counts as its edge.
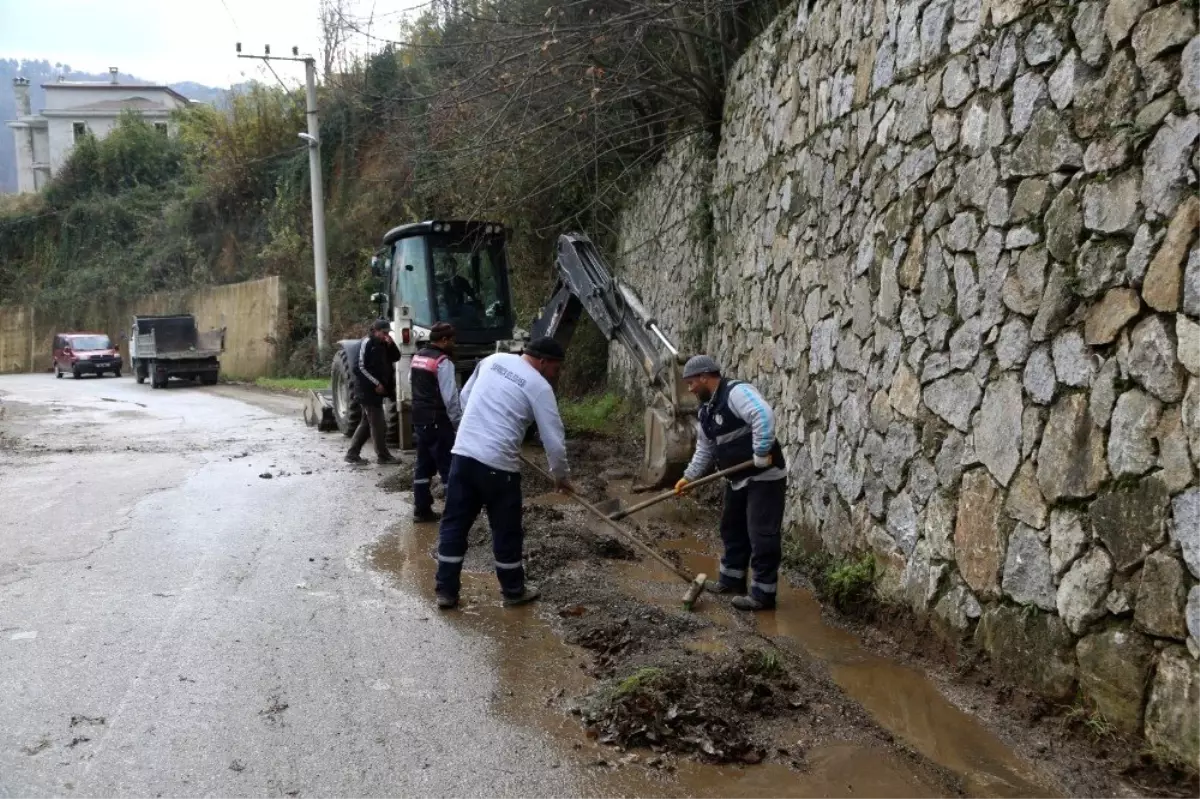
(375, 377)
(436, 412)
(505, 394)
(737, 425)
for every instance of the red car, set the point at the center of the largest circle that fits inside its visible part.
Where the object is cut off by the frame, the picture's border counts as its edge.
(85, 353)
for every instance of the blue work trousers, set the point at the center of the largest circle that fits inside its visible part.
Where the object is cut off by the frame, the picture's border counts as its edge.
(750, 526)
(474, 486)
(434, 442)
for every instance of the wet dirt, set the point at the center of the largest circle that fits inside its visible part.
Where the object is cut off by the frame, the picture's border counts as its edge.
(1003, 741)
(692, 713)
(899, 698)
(555, 657)
(1041, 731)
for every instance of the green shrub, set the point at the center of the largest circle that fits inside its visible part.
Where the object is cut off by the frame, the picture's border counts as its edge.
(292, 384)
(595, 415)
(849, 584)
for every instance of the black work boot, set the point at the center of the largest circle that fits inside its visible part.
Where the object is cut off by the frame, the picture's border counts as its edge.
(750, 603)
(529, 594)
(446, 602)
(717, 587)
(426, 516)
(387, 460)
(355, 459)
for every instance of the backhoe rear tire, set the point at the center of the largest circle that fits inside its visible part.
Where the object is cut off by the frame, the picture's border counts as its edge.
(392, 414)
(346, 410)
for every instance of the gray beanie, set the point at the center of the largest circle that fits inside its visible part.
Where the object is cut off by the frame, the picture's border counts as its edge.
(700, 365)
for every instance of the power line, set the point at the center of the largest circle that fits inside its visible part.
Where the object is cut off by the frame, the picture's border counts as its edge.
(231, 17)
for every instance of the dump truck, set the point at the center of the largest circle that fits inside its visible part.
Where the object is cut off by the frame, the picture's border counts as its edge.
(457, 272)
(162, 347)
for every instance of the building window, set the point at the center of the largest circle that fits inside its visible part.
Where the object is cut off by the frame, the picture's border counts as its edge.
(80, 130)
(161, 127)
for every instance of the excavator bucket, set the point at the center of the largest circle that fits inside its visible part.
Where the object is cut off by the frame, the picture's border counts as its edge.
(669, 442)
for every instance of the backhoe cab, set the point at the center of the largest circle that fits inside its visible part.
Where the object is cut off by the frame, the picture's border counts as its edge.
(457, 272)
(432, 271)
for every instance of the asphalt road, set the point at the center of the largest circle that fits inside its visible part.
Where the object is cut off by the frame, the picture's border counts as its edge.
(172, 623)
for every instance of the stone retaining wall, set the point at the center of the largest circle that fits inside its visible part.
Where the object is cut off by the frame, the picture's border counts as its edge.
(954, 242)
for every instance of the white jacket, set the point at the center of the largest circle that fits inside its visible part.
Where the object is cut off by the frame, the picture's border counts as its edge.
(502, 398)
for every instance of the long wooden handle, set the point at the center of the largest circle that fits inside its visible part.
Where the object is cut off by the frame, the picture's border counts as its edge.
(621, 514)
(628, 536)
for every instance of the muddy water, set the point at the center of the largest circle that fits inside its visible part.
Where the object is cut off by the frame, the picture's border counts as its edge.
(535, 671)
(901, 699)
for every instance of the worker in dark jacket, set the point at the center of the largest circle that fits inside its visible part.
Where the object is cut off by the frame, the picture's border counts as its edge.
(436, 411)
(737, 425)
(375, 376)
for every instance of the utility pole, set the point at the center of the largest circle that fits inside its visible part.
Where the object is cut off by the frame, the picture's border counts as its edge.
(313, 139)
(318, 206)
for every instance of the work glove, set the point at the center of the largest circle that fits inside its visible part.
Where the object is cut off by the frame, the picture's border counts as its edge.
(679, 486)
(762, 461)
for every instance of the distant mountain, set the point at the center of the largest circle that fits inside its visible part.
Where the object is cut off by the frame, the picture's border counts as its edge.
(39, 72)
(205, 94)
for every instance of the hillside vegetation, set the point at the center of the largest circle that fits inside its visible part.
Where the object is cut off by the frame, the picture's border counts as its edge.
(539, 115)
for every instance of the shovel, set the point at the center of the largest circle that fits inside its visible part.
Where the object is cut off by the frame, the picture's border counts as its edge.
(611, 505)
(695, 584)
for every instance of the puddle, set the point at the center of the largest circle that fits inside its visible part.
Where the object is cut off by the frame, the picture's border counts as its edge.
(901, 699)
(707, 641)
(536, 673)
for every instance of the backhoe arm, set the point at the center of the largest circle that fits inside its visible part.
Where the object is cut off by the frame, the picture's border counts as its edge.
(585, 283)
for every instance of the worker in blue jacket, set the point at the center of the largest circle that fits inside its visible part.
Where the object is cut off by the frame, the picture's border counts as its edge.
(737, 425)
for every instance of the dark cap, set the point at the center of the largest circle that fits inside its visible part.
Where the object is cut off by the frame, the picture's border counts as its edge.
(441, 331)
(546, 348)
(698, 365)
(381, 324)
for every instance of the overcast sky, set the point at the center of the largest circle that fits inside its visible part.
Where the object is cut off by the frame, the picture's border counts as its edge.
(168, 41)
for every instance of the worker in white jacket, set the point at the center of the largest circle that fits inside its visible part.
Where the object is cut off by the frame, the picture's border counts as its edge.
(505, 394)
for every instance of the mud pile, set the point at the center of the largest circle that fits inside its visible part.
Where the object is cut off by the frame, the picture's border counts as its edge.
(551, 542)
(398, 481)
(737, 699)
(703, 708)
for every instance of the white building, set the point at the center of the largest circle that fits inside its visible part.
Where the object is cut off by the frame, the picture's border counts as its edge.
(73, 110)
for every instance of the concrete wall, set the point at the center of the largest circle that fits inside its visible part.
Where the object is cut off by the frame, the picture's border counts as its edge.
(254, 314)
(255, 317)
(16, 340)
(954, 243)
(60, 140)
(23, 137)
